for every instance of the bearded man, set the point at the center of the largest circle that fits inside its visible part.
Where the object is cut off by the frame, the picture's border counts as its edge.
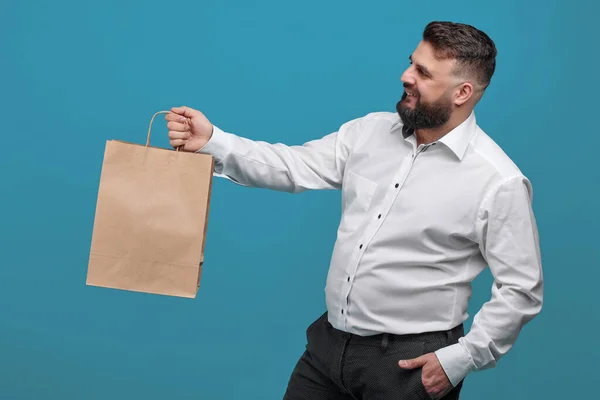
(429, 201)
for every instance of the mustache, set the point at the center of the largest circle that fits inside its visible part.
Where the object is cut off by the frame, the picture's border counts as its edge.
(412, 90)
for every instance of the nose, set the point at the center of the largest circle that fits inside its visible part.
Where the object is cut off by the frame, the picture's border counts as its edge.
(408, 77)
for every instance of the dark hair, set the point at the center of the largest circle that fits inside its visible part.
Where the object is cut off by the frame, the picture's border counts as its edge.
(473, 50)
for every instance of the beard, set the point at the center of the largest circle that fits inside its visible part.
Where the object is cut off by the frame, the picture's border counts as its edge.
(425, 115)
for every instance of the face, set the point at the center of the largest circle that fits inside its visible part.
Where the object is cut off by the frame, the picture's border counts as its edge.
(428, 99)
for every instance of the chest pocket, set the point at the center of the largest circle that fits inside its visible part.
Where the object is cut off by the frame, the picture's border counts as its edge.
(357, 193)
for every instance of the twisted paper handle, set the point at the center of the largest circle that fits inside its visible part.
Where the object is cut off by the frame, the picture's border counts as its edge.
(150, 127)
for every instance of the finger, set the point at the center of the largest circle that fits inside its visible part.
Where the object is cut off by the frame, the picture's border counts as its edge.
(411, 364)
(185, 112)
(177, 126)
(177, 143)
(175, 117)
(176, 135)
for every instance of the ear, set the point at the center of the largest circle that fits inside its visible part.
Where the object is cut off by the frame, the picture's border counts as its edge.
(463, 93)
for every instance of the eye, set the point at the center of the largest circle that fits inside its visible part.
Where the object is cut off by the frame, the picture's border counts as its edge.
(422, 73)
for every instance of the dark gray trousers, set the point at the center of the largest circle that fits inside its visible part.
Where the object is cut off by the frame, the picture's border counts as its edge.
(342, 366)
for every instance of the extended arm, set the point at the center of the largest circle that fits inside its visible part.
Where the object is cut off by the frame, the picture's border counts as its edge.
(317, 164)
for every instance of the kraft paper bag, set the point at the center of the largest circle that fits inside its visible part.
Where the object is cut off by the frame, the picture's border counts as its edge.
(151, 218)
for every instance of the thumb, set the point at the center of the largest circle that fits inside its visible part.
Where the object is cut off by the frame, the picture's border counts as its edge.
(185, 111)
(414, 363)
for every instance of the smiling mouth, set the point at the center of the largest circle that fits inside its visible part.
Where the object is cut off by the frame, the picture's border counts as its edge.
(410, 94)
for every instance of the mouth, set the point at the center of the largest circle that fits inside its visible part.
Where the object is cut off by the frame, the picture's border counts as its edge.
(410, 98)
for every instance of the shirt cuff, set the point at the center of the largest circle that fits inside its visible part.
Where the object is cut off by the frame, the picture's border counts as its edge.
(456, 362)
(217, 146)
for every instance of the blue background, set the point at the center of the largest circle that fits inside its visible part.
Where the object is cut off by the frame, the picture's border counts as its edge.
(77, 73)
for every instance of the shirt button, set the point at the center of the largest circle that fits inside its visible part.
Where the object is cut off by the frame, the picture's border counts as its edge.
(379, 216)
(342, 311)
(397, 184)
(348, 279)
(360, 247)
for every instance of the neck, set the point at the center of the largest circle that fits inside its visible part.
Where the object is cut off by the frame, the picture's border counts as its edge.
(426, 136)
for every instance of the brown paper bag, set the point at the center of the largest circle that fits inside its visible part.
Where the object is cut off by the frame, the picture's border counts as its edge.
(151, 218)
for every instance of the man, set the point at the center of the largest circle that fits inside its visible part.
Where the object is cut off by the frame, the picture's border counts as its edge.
(429, 200)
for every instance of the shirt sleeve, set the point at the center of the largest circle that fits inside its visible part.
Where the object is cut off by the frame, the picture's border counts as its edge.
(316, 164)
(509, 242)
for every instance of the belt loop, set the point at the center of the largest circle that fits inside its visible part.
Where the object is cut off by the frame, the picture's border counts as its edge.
(384, 341)
(449, 336)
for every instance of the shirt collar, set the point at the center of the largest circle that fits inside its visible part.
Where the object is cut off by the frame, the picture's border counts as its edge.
(457, 139)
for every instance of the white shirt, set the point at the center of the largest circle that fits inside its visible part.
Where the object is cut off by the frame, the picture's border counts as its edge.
(418, 225)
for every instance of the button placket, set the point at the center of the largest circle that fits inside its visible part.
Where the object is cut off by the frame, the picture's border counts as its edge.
(386, 204)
